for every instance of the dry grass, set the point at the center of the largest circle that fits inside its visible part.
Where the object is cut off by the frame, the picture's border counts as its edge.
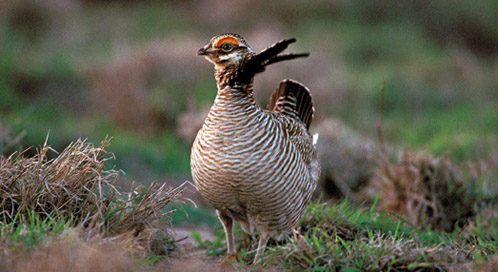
(426, 190)
(77, 186)
(72, 184)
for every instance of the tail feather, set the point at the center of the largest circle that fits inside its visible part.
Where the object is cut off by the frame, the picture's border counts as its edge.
(293, 99)
(271, 55)
(273, 50)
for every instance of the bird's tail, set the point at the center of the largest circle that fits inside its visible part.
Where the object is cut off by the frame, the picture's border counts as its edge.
(293, 99)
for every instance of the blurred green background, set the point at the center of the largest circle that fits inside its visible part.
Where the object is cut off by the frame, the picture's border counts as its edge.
(128, 69)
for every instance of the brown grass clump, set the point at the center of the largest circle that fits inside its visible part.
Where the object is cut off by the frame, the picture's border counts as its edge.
(73, 184)
(426, 190)
(77, 186)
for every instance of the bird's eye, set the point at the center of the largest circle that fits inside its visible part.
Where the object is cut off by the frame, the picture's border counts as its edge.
(227, 47)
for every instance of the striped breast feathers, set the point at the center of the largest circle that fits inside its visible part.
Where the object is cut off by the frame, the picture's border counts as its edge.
(293, 99)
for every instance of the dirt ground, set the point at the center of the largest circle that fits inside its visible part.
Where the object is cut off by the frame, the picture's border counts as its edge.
(191, 258)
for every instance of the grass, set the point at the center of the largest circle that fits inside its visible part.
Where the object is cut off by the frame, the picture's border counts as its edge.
(32, 230)
(428, 190)
(428, 214)
(342, 237)
(47, 194)
(437, 61)
(162, 154)
(423, 75)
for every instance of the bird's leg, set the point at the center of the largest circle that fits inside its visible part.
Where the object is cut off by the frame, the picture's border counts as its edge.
(263, 240)
(295, 233)
(228, 226)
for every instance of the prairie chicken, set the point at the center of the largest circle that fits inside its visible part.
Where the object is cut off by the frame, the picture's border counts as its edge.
(255, 166)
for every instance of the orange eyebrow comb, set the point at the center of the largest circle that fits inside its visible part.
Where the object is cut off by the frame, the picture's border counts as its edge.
(226, 39)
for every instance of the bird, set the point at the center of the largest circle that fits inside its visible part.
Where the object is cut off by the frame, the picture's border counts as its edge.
(256, 166)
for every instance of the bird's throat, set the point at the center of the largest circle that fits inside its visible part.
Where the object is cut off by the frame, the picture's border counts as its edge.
(235, 77)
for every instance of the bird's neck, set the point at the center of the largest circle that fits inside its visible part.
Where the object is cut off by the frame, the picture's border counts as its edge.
(235, 85)
(237, 76)
(236, 96)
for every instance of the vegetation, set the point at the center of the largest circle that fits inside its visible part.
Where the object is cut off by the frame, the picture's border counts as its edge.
(85, 69)
(73, 196)
(343, 237)
(426, 219)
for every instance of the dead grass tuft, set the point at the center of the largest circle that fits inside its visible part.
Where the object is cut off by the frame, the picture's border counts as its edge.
(426, 190)
(73, 184)
(78, 186)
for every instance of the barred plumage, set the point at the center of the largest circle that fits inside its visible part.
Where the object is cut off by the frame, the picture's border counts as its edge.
(257, 167)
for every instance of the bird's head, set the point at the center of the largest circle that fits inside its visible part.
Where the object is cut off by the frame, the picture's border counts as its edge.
(236, 63)
(226, 50)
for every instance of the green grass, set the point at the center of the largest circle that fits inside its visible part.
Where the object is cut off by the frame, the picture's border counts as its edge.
(34, 230)
(371, 42)
(162, 154)
(440, 96)
(462, 131)
(341, 237)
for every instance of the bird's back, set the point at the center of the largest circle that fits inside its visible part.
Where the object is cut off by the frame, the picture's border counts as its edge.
(258, 166)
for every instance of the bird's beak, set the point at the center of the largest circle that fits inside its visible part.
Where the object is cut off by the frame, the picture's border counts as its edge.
(202, 52)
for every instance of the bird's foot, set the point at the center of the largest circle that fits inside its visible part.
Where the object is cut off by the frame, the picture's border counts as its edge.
(229, 259)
